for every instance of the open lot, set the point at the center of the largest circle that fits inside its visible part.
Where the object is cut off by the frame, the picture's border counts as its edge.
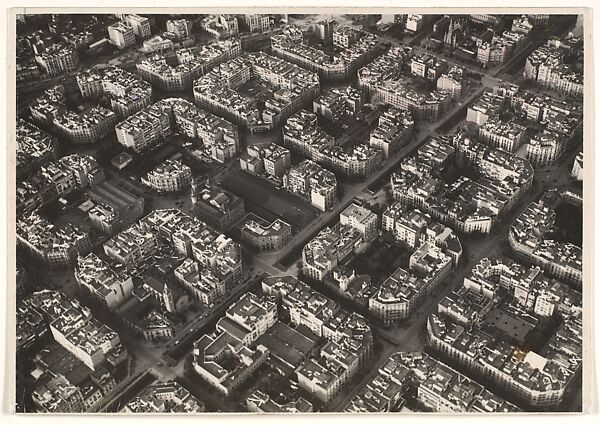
(380, 260)
(569, 219)
(255, 191)
(514, 327)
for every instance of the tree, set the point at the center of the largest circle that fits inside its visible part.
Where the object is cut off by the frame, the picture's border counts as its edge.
(388, 237)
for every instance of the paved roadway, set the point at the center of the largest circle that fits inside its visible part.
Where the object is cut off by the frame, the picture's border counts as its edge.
(425, 131)
(411, 337)
(488, 81)
(157, 359)
(399, 338)
(194, 329)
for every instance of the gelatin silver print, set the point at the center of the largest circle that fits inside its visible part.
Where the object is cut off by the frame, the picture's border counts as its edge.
(298, 213)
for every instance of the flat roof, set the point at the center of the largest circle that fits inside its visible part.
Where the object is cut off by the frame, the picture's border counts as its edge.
(510, 324)
(286, 344)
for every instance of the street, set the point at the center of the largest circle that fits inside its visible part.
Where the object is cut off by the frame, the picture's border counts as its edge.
(170, 360)
(425, 131)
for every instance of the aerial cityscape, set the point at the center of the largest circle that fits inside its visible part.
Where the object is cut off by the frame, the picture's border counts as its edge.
(280, 213)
